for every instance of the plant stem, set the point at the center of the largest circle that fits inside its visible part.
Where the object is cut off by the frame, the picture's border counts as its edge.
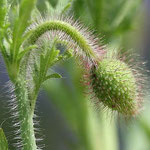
(65, 27)
(34, 98)
(25, 116)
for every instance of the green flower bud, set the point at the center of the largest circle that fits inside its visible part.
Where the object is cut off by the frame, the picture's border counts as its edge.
(114, 85)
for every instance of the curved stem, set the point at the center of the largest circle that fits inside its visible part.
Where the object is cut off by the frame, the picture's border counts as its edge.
(25, 116)
(69, 30)
(26, 104)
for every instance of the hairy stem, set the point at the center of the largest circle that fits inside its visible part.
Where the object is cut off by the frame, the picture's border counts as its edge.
(69, 30)
(34, 98)
(26, 102)
(25, 116)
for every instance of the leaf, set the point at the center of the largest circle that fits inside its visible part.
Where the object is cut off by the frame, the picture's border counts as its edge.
(3, 141)
(68, 54)
(53, 57)
(66, 8)
(3, 12)
(95, 11)
(21, 54)
(22, 22)
(55, 75)
(61, 7)
(126, 10)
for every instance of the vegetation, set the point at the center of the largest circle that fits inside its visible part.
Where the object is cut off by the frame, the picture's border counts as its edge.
(32, 43)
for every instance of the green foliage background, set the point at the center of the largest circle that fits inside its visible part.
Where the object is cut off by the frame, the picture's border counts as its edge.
(77, 124)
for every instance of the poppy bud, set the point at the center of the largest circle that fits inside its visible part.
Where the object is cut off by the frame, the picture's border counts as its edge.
(114, 84)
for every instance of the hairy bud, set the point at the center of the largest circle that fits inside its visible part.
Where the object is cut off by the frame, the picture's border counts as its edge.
(114, 84)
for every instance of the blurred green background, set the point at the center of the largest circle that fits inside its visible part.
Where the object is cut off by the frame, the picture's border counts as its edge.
(66, 116)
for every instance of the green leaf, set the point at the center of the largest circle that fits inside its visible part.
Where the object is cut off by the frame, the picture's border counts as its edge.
(3, 12)
(126, 10)
(22, 23)
(68, 54)
(95, 9)
(3, 141)
(53, 57)
(21, 54)
(61, 7)
(66, 8)
(55, 75)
